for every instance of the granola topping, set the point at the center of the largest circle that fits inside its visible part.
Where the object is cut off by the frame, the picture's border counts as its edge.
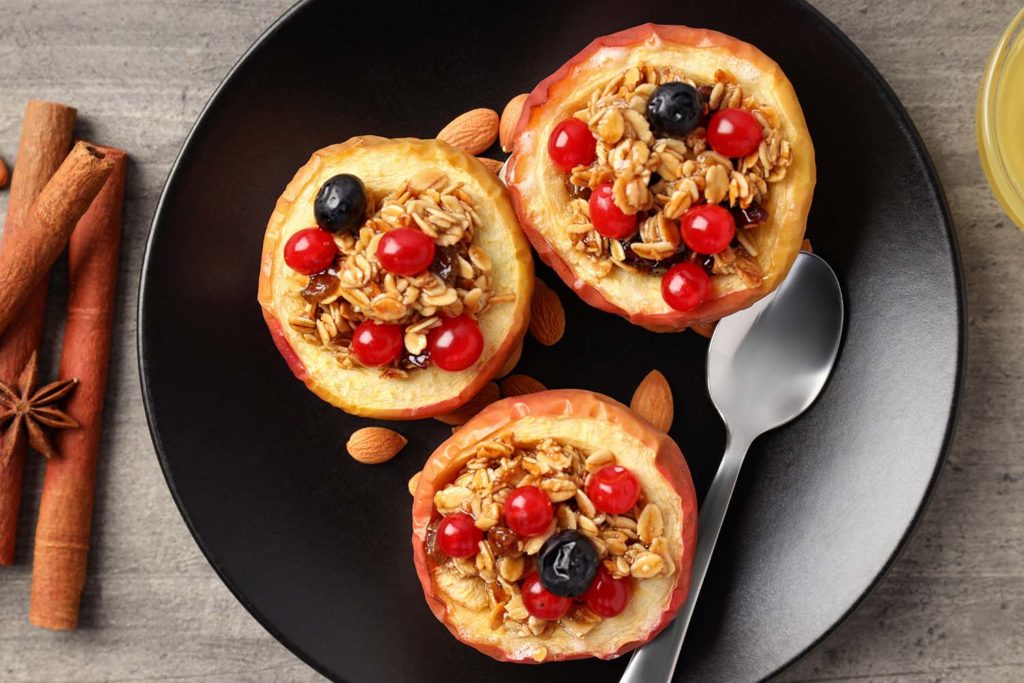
(630, 546)
(658, 178)
(356, 288)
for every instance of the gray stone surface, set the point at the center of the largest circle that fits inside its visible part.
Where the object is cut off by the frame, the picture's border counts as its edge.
(950, 609)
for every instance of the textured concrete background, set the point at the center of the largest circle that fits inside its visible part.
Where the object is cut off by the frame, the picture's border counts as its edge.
(951, 608)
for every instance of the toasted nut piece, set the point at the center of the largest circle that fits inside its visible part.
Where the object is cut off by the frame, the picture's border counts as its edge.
(512, 361)
(509, 120)
(5, 175)
(547, 317)
(704, 329)
(487, 395)
(472, 132)
(413, 483)
(653, 400)
(373, 445)
(517, 385)
(493, 165)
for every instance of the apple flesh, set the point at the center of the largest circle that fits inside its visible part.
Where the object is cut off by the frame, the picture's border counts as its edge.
(591, 422)
(383, 165)
(539, 192)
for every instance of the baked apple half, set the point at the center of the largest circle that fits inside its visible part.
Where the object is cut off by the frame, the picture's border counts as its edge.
(556, 525)
(395, 279)
(666, 174)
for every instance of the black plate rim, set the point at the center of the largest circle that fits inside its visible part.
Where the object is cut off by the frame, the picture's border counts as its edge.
(953, 412)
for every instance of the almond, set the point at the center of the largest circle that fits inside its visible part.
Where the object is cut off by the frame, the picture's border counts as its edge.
(517, 385)
(547, 317)
(472, 132)
(509, 120)
(704, 329)
(653, 400)
(486, 396)
(374, 445)
(512, 361)
(806, 246)
(5, 175)
(493, 165)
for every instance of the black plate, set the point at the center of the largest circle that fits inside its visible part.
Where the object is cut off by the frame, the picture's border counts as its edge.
(317, 546)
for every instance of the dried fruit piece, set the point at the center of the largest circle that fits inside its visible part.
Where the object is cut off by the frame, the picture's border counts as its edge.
(5, 175)
(488, 395)
(653, 400)
(472, 132)
(547, 317)
(517, 385)
(373, 445)
(509, 121)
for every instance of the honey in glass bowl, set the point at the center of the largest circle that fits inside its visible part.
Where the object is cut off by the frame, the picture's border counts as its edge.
(1000, 120)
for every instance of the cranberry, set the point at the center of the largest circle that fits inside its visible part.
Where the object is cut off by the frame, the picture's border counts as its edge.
(458, 536)
(528, 511)
(607, 596)
(707, 228)
(542, 603)
(609, 219)
(405, 251)
(456, 343)
(613, 489)
(377, 344)
(685, 286)
(571, 144)
(734, 132)
(309, 251)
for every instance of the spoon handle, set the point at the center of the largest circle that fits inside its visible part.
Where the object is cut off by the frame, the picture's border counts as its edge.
(656, 661)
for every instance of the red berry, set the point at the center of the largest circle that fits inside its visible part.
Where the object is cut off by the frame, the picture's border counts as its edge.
(309, 251)
(607, 596)
(528, 511)
(609, 219)
(405, 251)
(456, 343)
(571, 144)
(613, 489)
(458, 536)
(734, 132)
(707, 228)
(377, 344)
(685, 286)
(542, 603)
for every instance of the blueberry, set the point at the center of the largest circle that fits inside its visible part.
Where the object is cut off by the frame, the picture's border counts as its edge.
(340, 204)
(567, 564)
(674, 109)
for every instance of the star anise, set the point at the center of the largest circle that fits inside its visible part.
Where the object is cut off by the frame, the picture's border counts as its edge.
(23, 405)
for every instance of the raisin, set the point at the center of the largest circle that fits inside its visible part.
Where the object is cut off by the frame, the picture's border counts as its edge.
(749, 217)
(503, 540)
(444, 262)
(320, 286)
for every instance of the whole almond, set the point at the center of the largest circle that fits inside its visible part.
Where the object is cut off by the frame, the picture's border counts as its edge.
(472, 132)
(509, 120)
(517, 385)
(547, 317)
(512, 361)
(653, 400)
(5, 175)
(806, 246)
(485, 397)
(413, 483)
(704, 329)
(374, 445)
(493, 165)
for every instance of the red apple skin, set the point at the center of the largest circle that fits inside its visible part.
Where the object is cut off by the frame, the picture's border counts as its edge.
(438, 471)
(520, 314)
(559, 84)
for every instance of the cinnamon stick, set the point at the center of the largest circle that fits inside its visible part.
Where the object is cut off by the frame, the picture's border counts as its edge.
(27, 257)
(65, 508)
(45, 138)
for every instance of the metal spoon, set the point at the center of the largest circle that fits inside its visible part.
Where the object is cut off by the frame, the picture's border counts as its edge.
(766, 365)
